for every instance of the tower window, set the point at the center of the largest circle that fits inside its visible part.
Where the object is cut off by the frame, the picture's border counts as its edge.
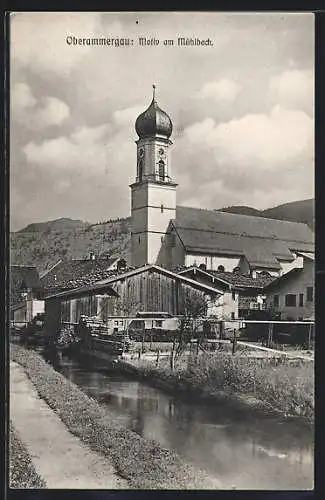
(140, 170)
(161, 170)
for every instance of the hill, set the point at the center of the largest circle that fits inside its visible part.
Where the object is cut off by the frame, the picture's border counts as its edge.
(296, 211)
(63, 224)
(43, 244)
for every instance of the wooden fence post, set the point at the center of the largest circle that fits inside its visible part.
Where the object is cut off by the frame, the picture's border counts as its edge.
(270, 335)
(234, 342)
(222, 330)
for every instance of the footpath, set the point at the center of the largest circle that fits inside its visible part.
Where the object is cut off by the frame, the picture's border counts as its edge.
(59, 457)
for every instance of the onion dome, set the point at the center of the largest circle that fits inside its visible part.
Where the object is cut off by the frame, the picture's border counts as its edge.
(153, 121)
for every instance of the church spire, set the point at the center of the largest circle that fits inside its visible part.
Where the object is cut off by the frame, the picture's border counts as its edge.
(154, 92)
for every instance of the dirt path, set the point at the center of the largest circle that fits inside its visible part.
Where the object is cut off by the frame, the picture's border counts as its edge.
(59, 457)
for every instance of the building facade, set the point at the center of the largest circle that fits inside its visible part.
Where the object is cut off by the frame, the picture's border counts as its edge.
(292, 295)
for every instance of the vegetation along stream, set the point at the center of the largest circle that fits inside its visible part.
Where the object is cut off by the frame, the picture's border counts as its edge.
(243, 452)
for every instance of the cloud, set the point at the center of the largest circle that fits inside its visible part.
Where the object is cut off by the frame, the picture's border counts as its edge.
(83, 151)
(221, 90)
(22, 97)
(38, 40)
(294, 89)
(256, 139)
(33, 114)
(239, 139)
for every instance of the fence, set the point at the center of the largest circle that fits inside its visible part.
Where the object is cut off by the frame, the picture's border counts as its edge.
(270, 332)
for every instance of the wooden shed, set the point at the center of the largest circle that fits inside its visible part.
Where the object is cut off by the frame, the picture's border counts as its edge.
(59, 307)
(148, 288)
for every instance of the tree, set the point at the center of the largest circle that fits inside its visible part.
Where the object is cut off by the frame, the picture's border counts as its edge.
(194, 309)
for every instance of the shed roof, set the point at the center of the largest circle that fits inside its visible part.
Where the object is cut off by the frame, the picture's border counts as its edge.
(262, 241)
(72, 270)
(236, 280)
(111, 277)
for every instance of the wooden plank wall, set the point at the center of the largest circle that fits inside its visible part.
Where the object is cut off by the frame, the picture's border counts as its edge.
(150, 291)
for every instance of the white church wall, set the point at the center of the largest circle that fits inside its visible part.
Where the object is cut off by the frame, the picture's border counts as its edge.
(212, 262)
(139, 247)
(139, 196)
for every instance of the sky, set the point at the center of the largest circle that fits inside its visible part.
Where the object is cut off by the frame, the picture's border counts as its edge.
(242, 110)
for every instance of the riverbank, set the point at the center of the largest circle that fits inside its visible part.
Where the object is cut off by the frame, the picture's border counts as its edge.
(248, 385)
(141, 462)
(22, 473)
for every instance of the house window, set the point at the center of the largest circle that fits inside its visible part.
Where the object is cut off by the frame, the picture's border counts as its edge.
(139, 239)
(310, 294)
(203, 266)
(232, 315)
(161, 170)
(159, 323)
(221, 269)
(233, 295)
(301, 299)
(290, 300)
(276, 301)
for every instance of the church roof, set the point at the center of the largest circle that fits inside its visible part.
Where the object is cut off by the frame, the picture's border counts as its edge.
(262, 241)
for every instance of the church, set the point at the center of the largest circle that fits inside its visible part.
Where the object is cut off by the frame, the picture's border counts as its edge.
(172, 236)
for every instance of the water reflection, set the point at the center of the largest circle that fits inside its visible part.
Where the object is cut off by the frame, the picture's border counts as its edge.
(240, 451)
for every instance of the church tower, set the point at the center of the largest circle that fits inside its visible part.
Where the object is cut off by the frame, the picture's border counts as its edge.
(153, 194)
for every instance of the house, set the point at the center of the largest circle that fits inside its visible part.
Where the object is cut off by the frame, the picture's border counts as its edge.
(148, 288)
(292, 295)
(242, 294)
(169, 235)
(25, 294)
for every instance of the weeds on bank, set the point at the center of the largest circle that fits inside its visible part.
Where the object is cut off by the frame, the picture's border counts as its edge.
(287, 387)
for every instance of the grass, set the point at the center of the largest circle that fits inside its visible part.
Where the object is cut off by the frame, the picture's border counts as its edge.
(286, 387)
(141, 461)
(22, 473)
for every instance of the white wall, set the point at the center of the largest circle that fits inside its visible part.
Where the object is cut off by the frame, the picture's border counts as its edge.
(38, 307)
(212, 262)
(287, 266)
